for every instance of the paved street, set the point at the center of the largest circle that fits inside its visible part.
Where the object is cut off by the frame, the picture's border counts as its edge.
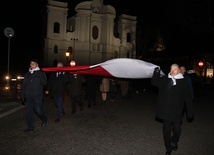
(123, 127)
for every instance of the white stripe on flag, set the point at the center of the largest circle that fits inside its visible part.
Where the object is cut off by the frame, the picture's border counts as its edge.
(128, 68)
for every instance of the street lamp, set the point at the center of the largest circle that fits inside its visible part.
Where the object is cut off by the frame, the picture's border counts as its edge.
(67, 54)
(9, 33)
(7, 78)
(74, 41)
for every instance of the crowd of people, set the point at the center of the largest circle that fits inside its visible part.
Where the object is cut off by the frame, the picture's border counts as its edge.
(58, 84)
(175, 96)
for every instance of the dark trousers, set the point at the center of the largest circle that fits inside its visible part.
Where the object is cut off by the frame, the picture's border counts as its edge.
(76, 99)
(91, 100)
(34, 104)
(58, 102)
(171, 133)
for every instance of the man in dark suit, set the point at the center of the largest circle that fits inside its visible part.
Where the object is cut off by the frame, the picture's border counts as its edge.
(56, 87)
(174, 93)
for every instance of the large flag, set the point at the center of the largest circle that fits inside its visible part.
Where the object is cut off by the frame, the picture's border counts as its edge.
(118, 68)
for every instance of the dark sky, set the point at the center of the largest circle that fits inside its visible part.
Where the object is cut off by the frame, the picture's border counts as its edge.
(185, 24)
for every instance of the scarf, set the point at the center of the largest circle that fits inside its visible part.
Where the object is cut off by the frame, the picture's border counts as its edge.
(33, 69)
(178, 76)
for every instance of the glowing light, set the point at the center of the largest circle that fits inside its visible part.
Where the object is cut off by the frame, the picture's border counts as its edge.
(67, 54)
(7, 77)
(200, 64)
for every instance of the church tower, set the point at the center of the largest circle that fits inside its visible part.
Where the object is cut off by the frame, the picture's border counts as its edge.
(56, 32)
(89, 36)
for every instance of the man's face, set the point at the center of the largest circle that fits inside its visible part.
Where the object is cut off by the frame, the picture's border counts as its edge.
(182, 70)
(59, 65)
(33, 65)
(174, 70)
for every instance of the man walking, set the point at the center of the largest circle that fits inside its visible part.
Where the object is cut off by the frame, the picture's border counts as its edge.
(174, 93)
(56, 88)
(75, 91)
(32, 91)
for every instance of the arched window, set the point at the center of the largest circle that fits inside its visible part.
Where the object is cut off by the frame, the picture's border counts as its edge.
(128, 55)
(55, 62)
(55, 49)
(95, 32)
(116, 54)
(56, 27)
(128, 37)
(70, 49)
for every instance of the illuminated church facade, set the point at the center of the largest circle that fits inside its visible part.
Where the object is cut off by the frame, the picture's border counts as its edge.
(93, 35)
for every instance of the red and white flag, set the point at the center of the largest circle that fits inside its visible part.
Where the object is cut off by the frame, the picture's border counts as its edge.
(118, 68)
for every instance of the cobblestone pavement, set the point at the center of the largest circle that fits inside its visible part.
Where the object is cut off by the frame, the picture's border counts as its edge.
(123, 127)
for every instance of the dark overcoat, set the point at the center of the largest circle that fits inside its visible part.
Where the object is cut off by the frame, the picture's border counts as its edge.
(172, 99)
(33, 84)
(91, 83)
(57, 84)
(75, 86)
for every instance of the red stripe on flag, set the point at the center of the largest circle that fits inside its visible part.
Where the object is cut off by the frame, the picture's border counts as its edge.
(65, 69)
(97, 70)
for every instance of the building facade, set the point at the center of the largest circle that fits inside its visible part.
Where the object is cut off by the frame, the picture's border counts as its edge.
(93, 35)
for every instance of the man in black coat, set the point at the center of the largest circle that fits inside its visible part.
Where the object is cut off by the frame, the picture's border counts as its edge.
(187, 76)
(56, 86)
(91, 83)
(174, 95)
(32, 92)
(75, 91)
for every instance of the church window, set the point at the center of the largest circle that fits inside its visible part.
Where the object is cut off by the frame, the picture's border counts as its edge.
(128, 37)
(95, 32)
(116, 54)
(55, 49)
(128, 55)
(56, 27)
(55, 62)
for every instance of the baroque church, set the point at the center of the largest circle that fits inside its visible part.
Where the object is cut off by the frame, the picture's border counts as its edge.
(93, 35)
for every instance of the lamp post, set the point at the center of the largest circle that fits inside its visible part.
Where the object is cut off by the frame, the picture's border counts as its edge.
(67, 54)
(9, 33)
(74, 41)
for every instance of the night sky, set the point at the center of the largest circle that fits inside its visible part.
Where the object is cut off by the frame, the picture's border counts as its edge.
(186, 25)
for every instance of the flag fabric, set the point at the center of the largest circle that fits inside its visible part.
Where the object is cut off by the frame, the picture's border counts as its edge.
(118, 68)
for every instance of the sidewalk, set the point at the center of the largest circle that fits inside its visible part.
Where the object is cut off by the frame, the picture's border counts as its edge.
(9, 107)
(123, 127)
(9, 101)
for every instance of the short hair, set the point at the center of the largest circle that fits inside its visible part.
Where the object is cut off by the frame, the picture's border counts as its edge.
(175, 64)
(60, 63)
(183, 66)
(34, 60)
